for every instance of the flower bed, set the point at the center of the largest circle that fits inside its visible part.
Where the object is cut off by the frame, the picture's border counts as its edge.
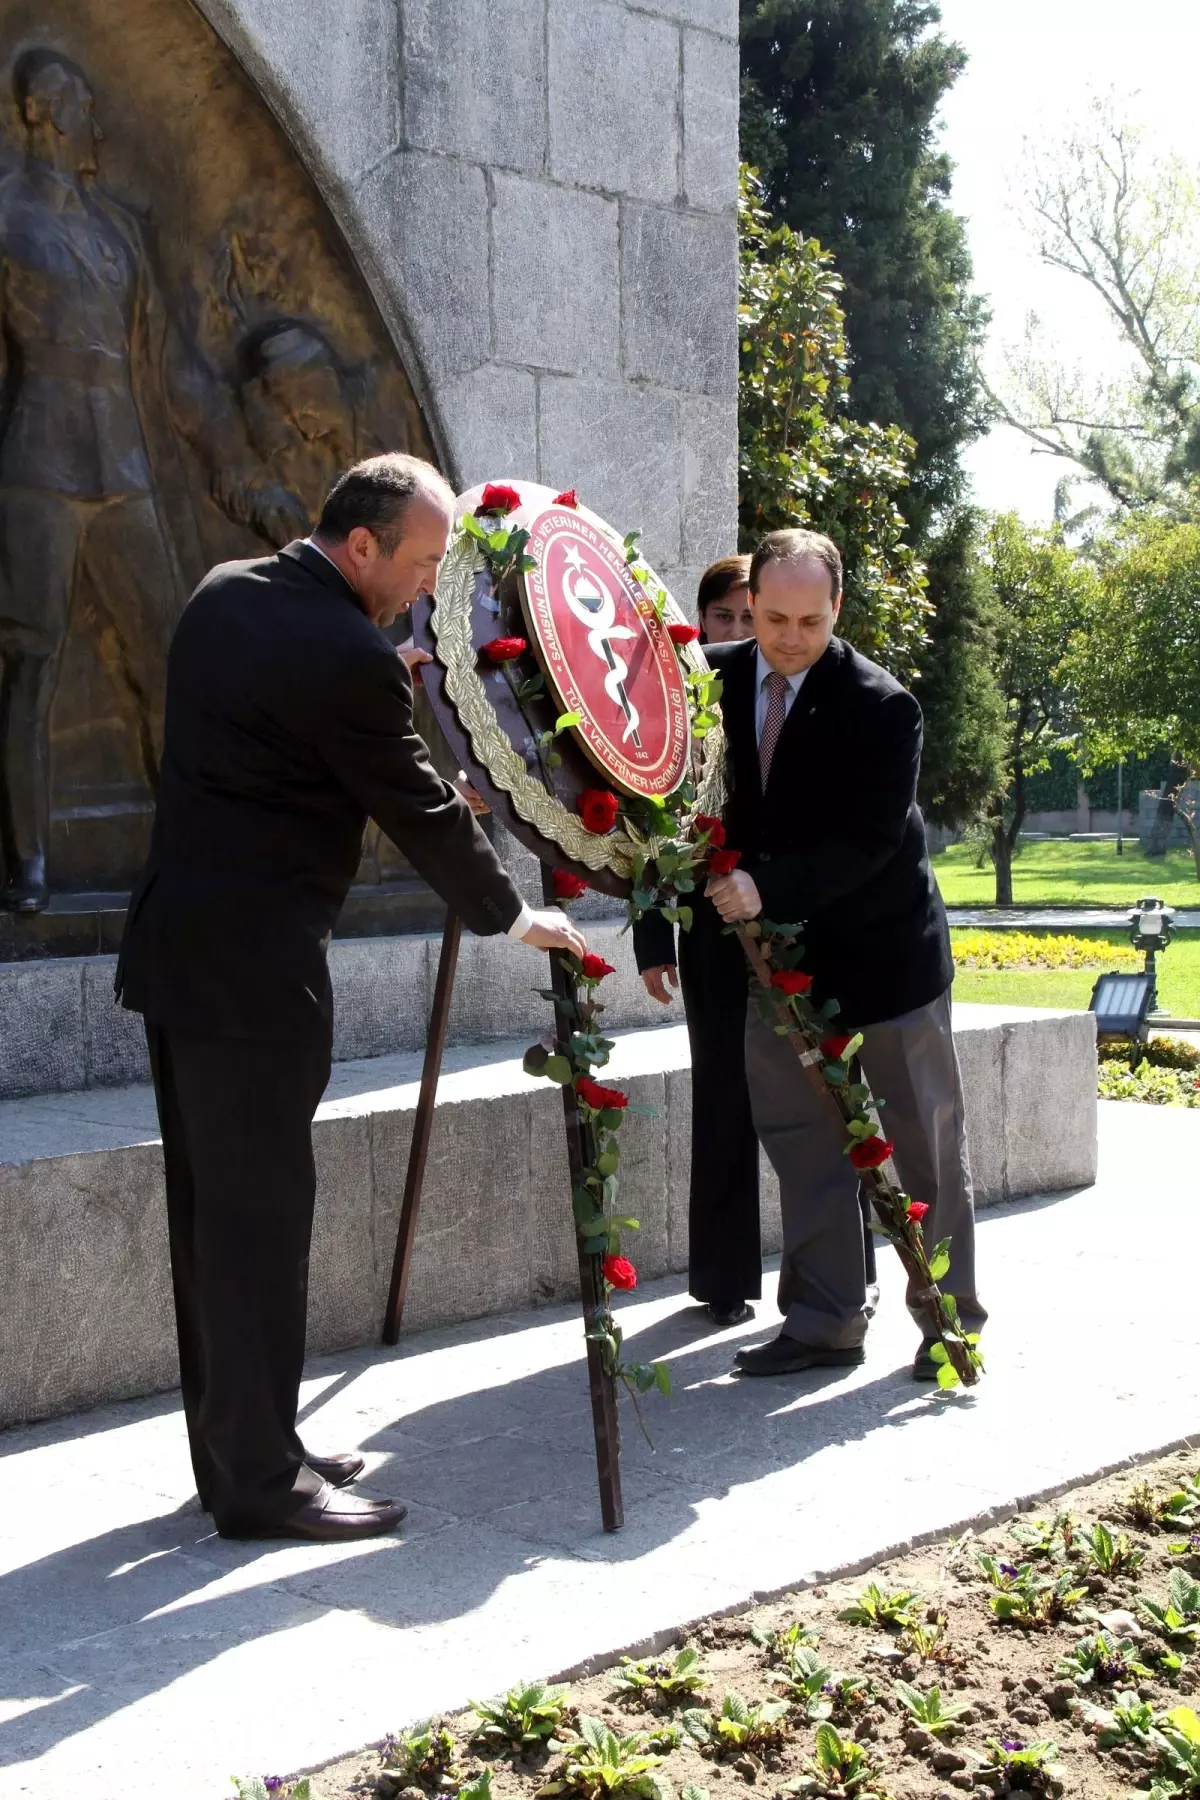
(1038, 950)
(1052, 1655)
(1168, 1076)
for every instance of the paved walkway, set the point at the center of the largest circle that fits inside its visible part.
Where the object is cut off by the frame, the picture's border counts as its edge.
(1065, 918)
(142, 1654)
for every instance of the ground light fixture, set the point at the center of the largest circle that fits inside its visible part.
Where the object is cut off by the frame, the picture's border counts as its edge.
(1123, 1003)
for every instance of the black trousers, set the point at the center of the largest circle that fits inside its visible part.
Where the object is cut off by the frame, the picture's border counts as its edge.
(236, 1119)
(724, 1229)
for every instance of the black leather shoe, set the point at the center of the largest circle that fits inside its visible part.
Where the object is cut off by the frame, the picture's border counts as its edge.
(339, 1470)
(787, 1356)
(331, 1518)
(738, 1312)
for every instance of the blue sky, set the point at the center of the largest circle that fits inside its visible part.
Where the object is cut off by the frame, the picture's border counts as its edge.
(1034, 63)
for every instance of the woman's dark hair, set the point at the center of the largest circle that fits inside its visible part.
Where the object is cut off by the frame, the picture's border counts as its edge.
(720, 578)
(376, 494)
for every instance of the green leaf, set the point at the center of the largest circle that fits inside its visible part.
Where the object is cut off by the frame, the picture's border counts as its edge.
(938, 1353)
(947, 1376)
(535, 1059)
(939, 1267)
(596, 1246)
(611, 1118)
(557, 1068)
(609, 1163)
(565, 721)
(662, 1379)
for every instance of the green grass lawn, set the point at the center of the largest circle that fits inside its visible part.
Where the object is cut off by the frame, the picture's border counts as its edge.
(1178, 979)
(1058, 872)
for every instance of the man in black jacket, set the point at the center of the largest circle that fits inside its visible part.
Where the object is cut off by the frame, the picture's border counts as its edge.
(288, 724)
(823, 753)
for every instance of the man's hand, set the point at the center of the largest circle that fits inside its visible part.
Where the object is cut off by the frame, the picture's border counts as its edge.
(473, 798)
(655, 985)
(412, 658)
(552, 930)
(735, 897)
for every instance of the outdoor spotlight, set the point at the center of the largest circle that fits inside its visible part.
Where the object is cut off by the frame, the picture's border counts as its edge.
(1122, 1005)
(1151, 925)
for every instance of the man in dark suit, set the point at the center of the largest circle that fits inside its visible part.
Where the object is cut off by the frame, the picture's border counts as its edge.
(824, 748)
(288, 724)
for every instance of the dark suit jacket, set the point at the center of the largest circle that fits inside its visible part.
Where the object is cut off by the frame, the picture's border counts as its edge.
(288, 722)
(837, 840)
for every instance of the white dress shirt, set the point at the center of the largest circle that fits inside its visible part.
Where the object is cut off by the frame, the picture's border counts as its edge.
(794, 684)
(524, 918)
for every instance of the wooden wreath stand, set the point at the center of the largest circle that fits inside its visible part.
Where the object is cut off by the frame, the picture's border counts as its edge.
(602, 1386)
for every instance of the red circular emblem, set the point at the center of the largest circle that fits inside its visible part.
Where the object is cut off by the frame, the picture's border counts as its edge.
(606, 654)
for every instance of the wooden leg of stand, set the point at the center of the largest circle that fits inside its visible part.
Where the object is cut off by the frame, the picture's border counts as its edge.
(605, 1421)
(435, 1044)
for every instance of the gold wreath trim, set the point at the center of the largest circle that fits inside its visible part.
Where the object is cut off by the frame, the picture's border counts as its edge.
(451, 620)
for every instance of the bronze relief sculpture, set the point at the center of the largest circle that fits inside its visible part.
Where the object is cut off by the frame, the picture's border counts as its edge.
(187, 358)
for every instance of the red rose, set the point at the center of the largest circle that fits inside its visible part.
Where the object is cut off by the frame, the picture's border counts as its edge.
(791, 981)
(713, 828)
(917, 1209)
(595, 967)
(601, 1098)
(598, 809)
(835, 1047)
(502, 650)
(567, 887)
(683, 634)
(619, 1272)
(497, 498)
(567, 498)
(724, 862)
(870, 1152)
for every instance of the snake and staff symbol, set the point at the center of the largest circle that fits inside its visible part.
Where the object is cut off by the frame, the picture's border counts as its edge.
(590, 599)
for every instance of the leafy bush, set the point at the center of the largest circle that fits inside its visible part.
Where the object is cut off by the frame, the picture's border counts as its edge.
(528, 1714)
(599, 1763)
(1160, 1053)
(740, 1724)
(422, 1757)
(874, 1606)
(1153, 1087)
(669, 1681)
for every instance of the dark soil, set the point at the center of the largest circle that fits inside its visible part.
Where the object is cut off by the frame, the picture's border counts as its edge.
(1006, 1674)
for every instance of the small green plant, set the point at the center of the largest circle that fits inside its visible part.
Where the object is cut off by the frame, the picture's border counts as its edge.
(1094, 1662)
(664, 1739)
(809, 1682)
(1176, 1738)
(668, 1681)
(423, 1757)
(1029, 1767)
(938, 1715)
(599, 1762)
(740, 1725)
(780, 1644)
(1020, 1596)
(1128, 1721)
(874, 1606)
(928, 1640)
(1147, 1508)
(479, 1789)
(841, 1768)
(1046, 1539)
(272, 1787)
(1178, 1618)
(1112, 1555)
(530, 1713)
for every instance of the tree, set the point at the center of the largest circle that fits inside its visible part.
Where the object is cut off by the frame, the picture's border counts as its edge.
(1043, 591)
(1134, 661)
(962, 764)
(1126, 225)
(839, 109)
(803, 460)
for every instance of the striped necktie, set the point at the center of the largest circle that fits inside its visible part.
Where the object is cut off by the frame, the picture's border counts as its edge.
(777, 688)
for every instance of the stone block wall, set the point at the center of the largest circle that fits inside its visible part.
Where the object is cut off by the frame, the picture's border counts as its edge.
(542, 197)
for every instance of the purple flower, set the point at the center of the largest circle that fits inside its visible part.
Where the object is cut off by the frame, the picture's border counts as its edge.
(1010, 1569)
(1012, 1743)
(272, 1783)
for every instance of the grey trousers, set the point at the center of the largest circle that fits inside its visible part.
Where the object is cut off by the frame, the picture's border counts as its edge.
(910, 1063)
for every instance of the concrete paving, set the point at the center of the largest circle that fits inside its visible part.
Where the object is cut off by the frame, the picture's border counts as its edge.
(1064, 918)
(140, 1652)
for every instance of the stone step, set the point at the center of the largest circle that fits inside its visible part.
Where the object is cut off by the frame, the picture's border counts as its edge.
(61, 1030)
(85, 1296)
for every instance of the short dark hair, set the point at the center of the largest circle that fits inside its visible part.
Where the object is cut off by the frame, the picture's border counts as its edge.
(795, 546)
(32, 68)
(376, 494)
(720, 578)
